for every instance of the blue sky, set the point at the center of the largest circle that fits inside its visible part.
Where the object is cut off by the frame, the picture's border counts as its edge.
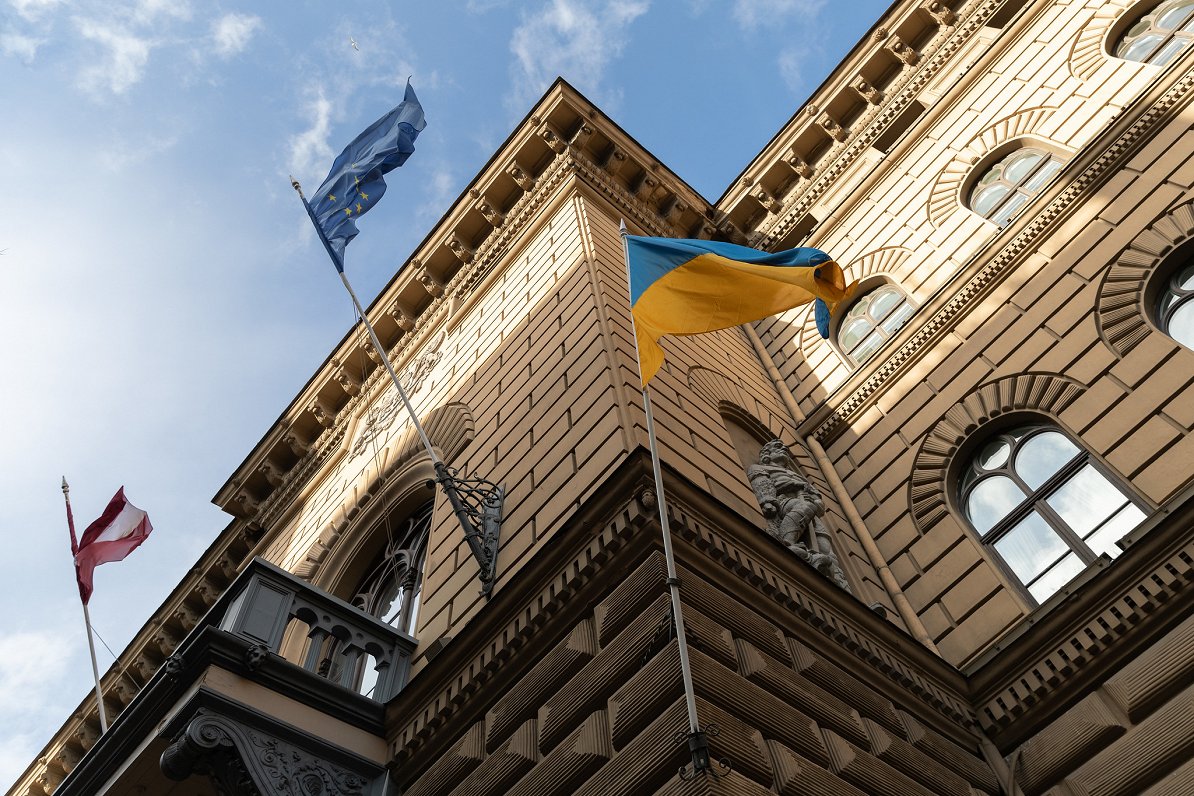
(162, 297)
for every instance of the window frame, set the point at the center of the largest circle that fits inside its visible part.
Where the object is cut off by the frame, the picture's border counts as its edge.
(1164, 284)
(1036, 500)
(1118, 36)
(982, 168)
(864, 290)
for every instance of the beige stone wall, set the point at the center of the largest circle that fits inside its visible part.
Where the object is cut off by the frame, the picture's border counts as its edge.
(1050, 84)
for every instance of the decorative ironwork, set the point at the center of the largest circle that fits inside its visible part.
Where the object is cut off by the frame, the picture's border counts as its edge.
(662, 637)
(477, 504)
(389, 590)
(702, 761)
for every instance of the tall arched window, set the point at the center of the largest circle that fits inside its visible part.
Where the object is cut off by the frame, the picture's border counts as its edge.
(1158, 36)
(1011, 182)
(871, 320)
(1040, 503)
(1175, 309)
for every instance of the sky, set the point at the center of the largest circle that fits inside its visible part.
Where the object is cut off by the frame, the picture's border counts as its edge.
(162, 296)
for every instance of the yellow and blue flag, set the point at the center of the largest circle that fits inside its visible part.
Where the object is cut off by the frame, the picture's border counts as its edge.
(687, 287)
(355, 182)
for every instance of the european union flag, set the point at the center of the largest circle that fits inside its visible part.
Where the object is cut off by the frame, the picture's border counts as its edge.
(355, 182)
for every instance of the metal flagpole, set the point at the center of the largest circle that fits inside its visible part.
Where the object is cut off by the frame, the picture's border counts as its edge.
(74, 549)
(698, 742)
(482, 542)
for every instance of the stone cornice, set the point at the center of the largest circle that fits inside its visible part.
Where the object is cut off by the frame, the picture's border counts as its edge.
(1096, 164)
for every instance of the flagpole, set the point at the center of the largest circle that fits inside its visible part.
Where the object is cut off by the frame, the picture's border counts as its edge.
(74, 547)
(478, 539)
(698, 743)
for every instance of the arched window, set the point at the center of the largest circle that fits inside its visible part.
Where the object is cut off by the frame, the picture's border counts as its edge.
(1011, 182)
(1158, 36)
(1037, 499)
(871, 320)
(1175, 309)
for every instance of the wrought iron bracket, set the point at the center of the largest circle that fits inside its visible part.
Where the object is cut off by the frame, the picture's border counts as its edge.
(477, 504)
(702, 762)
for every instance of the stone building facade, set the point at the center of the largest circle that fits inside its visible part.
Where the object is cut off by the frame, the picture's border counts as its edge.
(998, 430)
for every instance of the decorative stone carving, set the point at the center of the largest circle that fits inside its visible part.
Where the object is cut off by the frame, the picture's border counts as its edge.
(430, 283)
(242, 761)
(646, 187)
(798, 164)
(867, 91)
(520, 175)
(491, 213)
(349, 381)
(616, 161)
(462, 251)
(272, 473)
(900, 49)
(831, 126)
(255, 656)
(298, 446)
(248, 502)
(766, 199)
(322, 413)
(939, 11)
(581, 135)
(406, 322)
(553, 139)
(794, 509)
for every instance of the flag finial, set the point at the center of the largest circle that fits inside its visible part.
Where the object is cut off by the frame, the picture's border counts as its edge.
(65, 486)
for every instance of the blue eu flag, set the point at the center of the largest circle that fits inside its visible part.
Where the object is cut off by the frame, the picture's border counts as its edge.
(355, 182)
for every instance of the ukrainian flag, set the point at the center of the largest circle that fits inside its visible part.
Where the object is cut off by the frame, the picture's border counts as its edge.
(686, 287)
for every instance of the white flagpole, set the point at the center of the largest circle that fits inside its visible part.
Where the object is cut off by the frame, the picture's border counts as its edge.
(99, 694)
(673, 581)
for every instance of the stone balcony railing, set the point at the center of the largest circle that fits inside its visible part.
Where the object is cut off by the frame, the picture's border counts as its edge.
(273, 609)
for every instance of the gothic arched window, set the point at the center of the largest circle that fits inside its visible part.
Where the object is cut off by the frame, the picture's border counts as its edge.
(1175, 308)
(1039, 502)
(871, 320)
(1158, 36)
(390, 589)
(1010, 182)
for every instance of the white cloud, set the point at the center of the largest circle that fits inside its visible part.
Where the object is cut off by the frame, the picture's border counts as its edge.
(121, 156)
(18, 46)
(147, 11)
(32, 9)
(309, 150)
(752, 14)
(31, 664)
(231, 33)
(574, 38)
(791, 63)
(125, 61)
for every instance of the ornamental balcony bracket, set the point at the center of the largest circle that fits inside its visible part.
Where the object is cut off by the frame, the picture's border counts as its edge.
(477, 504)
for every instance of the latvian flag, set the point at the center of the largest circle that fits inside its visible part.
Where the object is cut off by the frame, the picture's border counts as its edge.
(117, 532)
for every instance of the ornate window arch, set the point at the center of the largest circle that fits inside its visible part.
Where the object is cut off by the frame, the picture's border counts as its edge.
(1157, 35)
(1039, 502)
(1001, 184)
(1132, 296)
(863, 325)
(1175, 305)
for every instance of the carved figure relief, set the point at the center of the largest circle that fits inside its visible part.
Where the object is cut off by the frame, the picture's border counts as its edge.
(383, 414)
(794, 509)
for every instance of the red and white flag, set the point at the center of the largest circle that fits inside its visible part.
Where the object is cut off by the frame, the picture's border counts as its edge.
(117, 532)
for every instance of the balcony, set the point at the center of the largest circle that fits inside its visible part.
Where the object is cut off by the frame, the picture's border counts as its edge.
(264, 689)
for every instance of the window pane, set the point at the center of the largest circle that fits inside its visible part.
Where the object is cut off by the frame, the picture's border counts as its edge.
(897, 318)
(1042, 456)
(1019, 166)
(1104, 539)
(1009, 209)
(867, 347)
(991, 500)
(994, 454)
(1139, 49)
(985, 200)
(1181, 324)
(882, 300)
(1042, 176)
(1055, 578)
(1174, 17)
(1185, 280)
(1166, 53)
(1085, 500)
(851, 332)
(1031, 547)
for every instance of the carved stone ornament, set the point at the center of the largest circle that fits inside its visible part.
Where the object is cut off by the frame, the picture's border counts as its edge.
(867, 90)
(794, 510)
(897, 47)
(382, 414)
(799, 164)
(242, 761)
(428, 279)
(939, 11)
(520, 175)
